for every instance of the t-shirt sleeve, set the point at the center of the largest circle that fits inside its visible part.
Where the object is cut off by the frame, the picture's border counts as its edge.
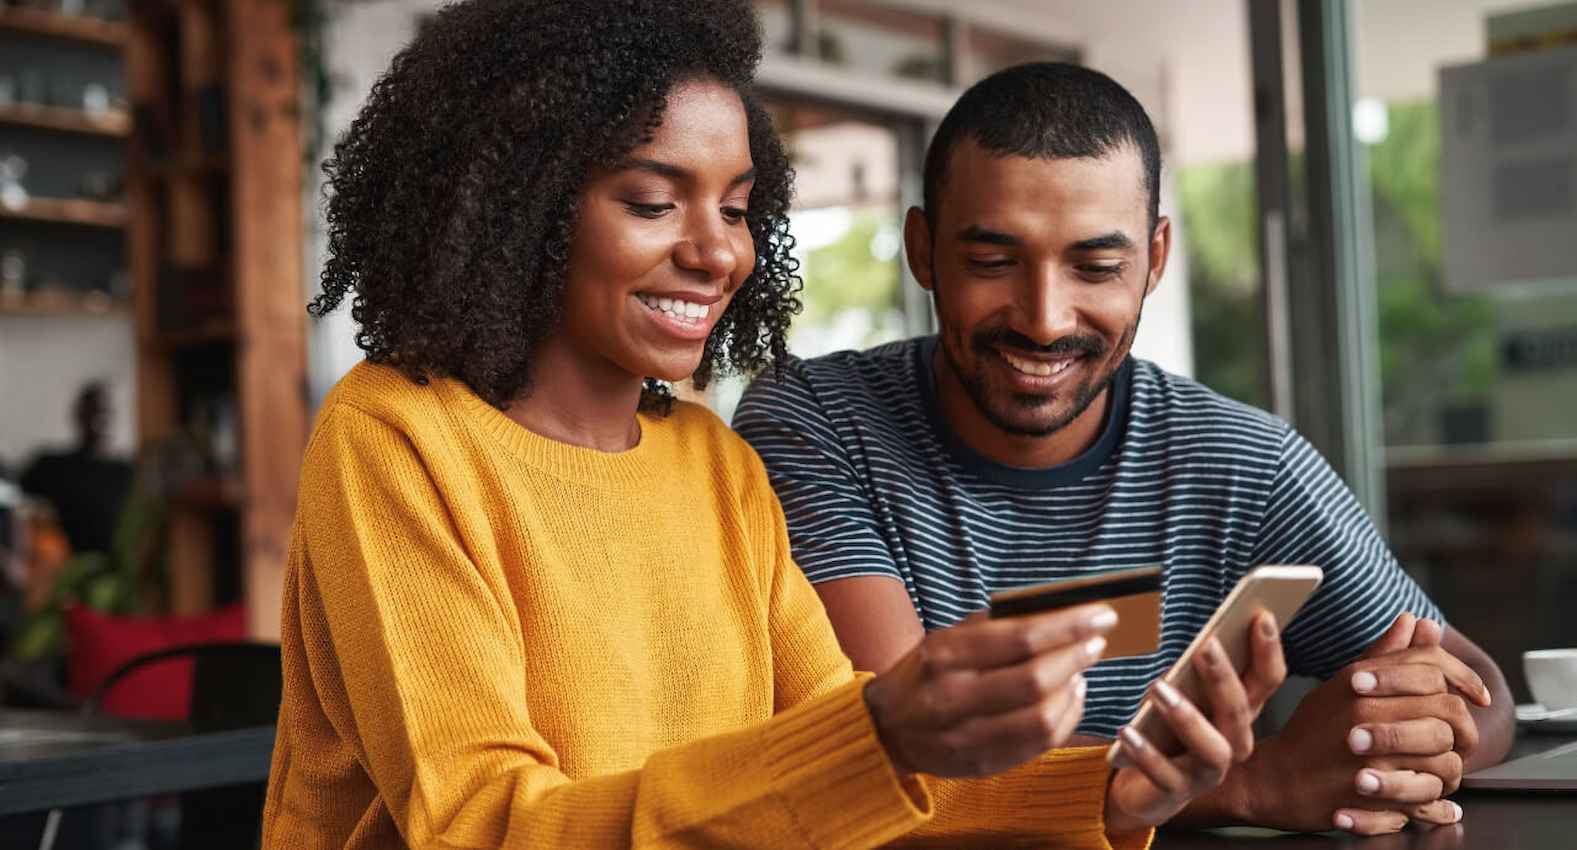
(833, 527)
(1313, 518)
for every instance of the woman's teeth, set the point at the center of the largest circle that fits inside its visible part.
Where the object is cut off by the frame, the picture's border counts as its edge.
(685, 311)
(1038, 368)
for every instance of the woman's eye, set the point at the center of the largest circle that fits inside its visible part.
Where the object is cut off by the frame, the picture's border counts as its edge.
(734, 215)
(648, 210)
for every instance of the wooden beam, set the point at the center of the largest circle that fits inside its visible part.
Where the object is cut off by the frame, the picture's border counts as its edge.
(265, 146)
(147, 72)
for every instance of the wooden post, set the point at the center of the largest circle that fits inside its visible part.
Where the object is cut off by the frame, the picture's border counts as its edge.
(146, 73)
(265, 148)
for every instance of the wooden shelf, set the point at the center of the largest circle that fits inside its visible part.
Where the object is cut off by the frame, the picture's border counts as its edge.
(66, 304)
(64, 27)
(112, 124)
(68, 211)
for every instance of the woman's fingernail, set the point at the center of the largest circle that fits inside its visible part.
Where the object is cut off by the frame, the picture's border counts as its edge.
(1169, 694)
(1344, 821)
(1132, 739)
(1360, 740)
(1368, 783)
(1455, 809)
(1104, 618)
(1267, 625)
(1094, 647)
(1364, 681)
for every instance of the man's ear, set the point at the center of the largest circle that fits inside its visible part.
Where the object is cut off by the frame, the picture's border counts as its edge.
(917, 246)
(1160, 249)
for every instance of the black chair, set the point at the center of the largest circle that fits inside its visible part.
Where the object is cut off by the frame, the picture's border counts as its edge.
(234, 685)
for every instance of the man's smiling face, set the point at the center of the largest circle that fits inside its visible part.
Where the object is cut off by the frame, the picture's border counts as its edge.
(1039, 269)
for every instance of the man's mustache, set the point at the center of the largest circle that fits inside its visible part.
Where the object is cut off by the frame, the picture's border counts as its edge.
(1076, 344)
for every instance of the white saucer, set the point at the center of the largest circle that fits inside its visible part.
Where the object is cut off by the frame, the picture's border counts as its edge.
(1536, 718)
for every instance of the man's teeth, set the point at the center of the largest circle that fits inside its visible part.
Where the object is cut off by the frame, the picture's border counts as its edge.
(686, 310)
(1038, 368)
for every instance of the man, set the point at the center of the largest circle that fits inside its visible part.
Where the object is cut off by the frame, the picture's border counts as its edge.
(1023, 444)
(85, 485)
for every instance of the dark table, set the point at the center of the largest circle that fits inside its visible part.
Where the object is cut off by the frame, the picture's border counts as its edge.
(1491, 820)
(58, 759)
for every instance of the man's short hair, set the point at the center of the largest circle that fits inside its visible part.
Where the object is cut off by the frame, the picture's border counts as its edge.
(1046, 110)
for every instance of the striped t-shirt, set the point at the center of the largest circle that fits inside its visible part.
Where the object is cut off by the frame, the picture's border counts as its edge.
(873, 483)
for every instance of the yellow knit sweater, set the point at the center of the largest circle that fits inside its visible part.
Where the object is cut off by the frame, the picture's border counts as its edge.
(492, 639)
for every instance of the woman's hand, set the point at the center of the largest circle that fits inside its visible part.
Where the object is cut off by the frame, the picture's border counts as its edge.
(988, 695)
(1155, 787)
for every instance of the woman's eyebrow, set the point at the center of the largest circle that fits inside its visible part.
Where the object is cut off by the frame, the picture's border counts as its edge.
(674, 172)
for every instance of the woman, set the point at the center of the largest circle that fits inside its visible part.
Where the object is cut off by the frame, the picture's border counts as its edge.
(532, 601)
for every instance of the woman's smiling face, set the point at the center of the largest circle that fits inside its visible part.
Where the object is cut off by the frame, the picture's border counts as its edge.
(661, 244)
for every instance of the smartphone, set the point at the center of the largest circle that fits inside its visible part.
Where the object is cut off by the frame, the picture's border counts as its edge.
(1279, 590)
(1134, 594)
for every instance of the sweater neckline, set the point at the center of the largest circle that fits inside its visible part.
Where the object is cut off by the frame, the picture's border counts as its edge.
(634, 466)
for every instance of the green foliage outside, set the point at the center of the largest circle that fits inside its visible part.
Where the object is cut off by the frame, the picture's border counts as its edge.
(1219, 233)
(850, 274)
(1437, 349)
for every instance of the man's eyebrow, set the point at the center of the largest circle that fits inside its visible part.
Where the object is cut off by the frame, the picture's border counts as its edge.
(976, 233)
(1114, 241)
(674, 172)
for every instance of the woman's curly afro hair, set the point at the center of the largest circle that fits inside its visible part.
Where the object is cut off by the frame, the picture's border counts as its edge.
(452, 197)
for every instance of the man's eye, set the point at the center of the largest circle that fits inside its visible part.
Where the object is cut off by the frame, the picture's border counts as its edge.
(648, 210)
(992, 264)
(1099, 272)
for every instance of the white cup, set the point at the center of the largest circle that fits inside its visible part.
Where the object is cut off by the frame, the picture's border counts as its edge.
(1552, 676)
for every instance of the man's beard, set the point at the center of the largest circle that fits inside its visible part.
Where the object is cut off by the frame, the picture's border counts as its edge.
(993, 406)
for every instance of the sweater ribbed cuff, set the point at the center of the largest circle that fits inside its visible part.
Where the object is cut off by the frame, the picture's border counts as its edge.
(1075, 778)
(832, 773)
(1058, 799)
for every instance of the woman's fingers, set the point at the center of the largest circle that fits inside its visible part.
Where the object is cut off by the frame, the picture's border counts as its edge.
(1012, 688)
(990, 644)
(988, 745)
